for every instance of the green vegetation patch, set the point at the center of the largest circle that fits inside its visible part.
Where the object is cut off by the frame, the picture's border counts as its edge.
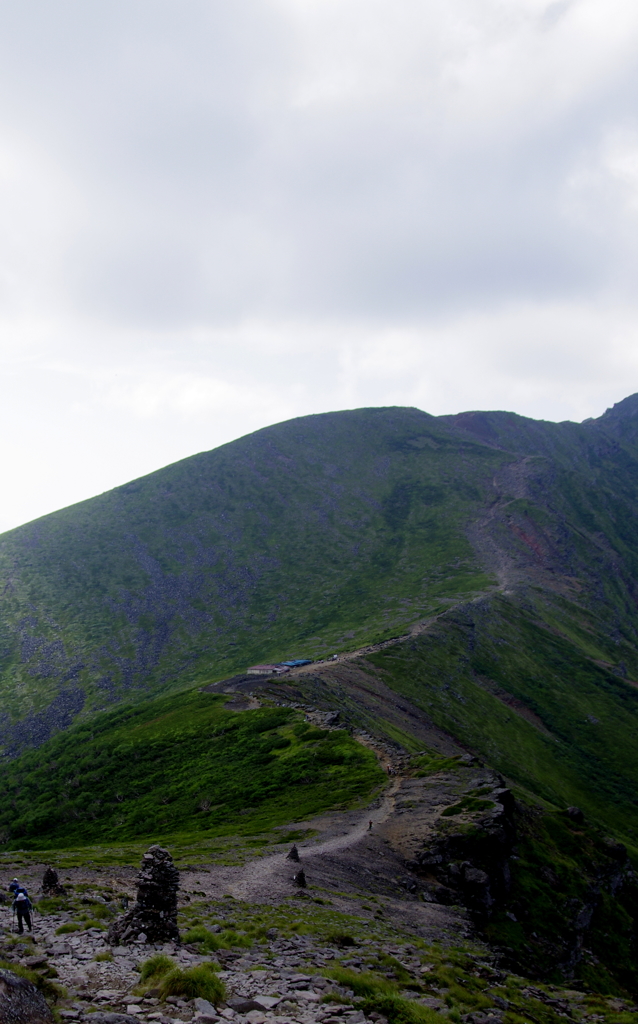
(311, 536)
(49, 989)
(176, 764)
(155, 968)
(208, 941)
(517, 684)
(200, 981)
(574, 896)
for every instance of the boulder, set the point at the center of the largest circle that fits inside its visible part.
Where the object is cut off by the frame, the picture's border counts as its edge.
(243, 1006)
(20, 1001)
(203, 1006)
(153, 918)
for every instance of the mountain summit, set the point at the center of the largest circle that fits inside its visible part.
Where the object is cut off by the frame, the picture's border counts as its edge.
(315, 536)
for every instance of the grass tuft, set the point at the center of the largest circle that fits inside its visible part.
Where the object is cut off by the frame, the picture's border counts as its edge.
(210, 941)
(200, 981)
(156, 967)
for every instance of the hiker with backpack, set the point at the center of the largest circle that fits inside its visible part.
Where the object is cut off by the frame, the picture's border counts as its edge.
(22, 907)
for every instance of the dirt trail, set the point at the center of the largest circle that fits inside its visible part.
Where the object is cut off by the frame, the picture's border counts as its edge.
(271, 875)
(348, 864)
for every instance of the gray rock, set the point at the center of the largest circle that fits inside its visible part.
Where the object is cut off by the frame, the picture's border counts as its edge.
(112, 1018)
(20, 1001)
(267, 1002)
(203, 1006)
(243, 1005)
(35, 961)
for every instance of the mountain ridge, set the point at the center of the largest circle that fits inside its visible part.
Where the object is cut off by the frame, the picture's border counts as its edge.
(476, 577)
(315, 535)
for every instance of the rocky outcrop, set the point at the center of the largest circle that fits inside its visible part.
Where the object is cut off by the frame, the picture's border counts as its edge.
(153, 918)
(471, 866)
(20, 1001)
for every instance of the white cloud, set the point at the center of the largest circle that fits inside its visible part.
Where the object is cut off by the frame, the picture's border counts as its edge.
(218, 216)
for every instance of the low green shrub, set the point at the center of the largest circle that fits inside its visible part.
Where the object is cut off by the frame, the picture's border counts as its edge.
(429, 764)
(102, 912)
(209, 941)
(50, 905)
(200, 934)
(71, 926)
(469, 804)
(340, 939)
(398, 1010)
(364, 984)
(156, 967)
(102, 957)
(200, 981)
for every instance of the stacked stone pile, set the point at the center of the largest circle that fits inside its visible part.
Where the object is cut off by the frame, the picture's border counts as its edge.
(153, 918)
(51, 883)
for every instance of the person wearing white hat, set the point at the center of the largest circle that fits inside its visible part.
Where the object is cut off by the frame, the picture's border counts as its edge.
(22, 907)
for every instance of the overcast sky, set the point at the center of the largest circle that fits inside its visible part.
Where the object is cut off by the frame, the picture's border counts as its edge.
(219, 214)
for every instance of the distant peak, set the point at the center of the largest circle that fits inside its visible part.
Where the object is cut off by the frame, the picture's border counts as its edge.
(627, 409)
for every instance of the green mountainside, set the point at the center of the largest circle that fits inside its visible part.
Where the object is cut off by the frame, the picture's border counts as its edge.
(478, 576)
(180, 765)
(313, 536)
(318, 535)
(504, 549)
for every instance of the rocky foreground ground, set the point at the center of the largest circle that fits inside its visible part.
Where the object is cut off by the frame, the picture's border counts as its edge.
(296, 978)
(373, 935)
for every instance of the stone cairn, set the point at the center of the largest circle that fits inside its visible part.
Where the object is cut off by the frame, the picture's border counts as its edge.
(300, 877)
(51, 883)
(153, 918)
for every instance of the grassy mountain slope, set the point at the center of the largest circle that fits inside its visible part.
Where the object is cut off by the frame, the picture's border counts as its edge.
(311, 536)
(334, 531)
(506, 550)
(316, 535)
(179, 764)
(517, 684)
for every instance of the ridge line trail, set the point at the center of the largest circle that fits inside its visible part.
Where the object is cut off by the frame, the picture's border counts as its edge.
(272, 873)
(415, 630)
